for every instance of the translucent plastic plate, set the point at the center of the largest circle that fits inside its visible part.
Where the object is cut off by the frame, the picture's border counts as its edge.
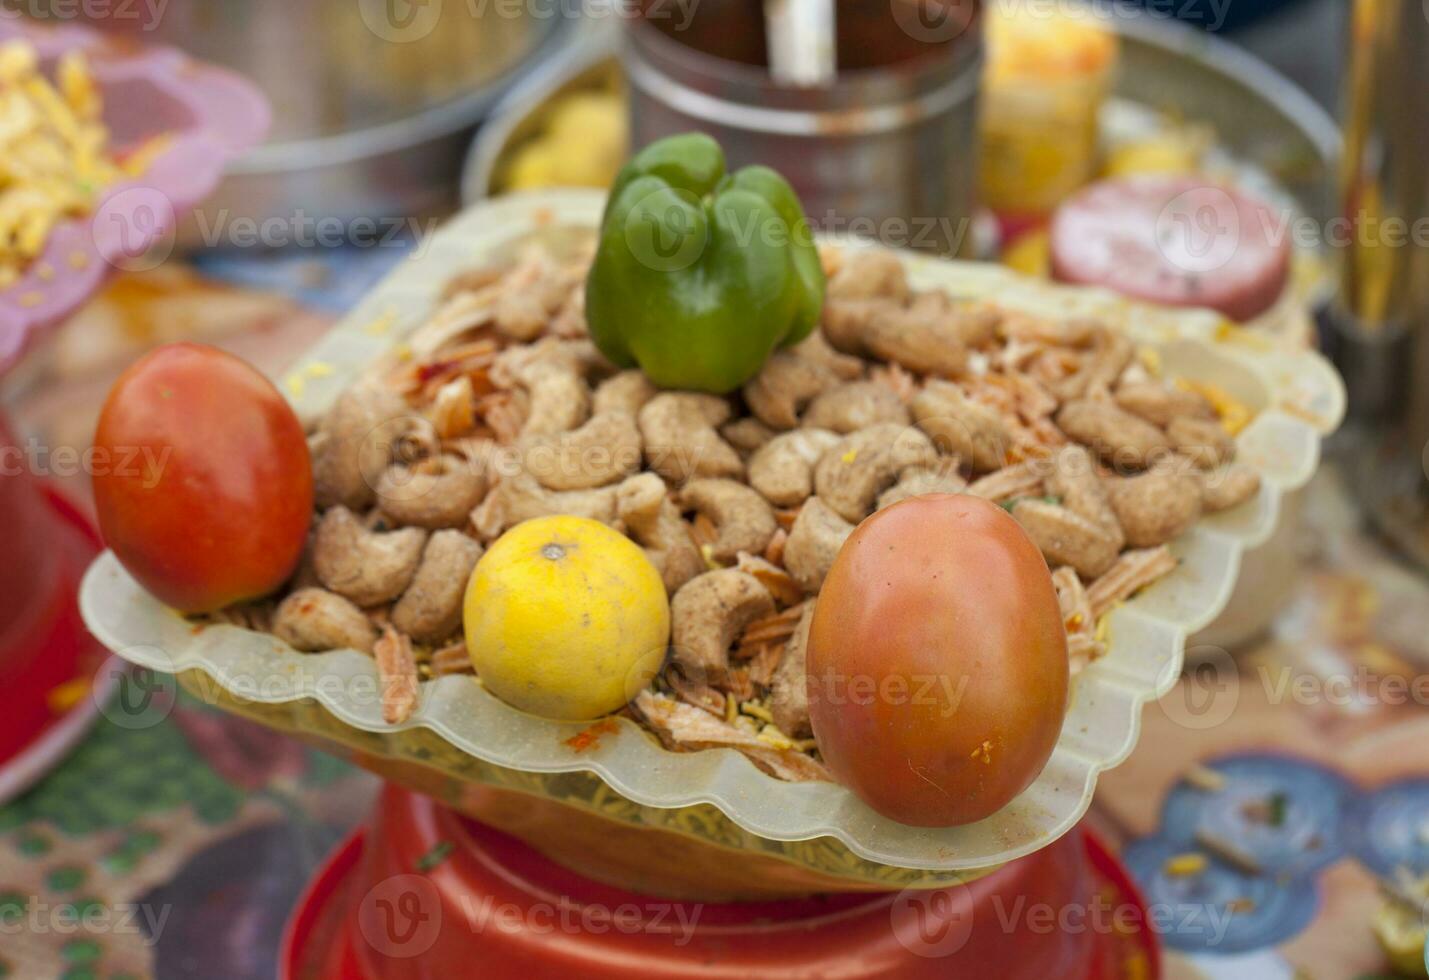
(717, 795)
(209, 116)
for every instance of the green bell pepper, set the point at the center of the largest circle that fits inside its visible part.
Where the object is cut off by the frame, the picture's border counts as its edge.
(699, 275)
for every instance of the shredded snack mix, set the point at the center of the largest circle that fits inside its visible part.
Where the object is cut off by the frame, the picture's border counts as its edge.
(54, 156)
(499, 409)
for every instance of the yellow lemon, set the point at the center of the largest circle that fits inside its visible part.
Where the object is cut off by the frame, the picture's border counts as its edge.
(566, 618)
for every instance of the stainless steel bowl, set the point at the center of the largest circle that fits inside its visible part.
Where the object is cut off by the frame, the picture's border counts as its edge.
(885, 151)
(374, 102)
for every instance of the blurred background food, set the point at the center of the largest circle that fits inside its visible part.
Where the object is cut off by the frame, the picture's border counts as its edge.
(1044, 84)
(579, 140)
(1069, 95)
(374, 104)
(56, 160)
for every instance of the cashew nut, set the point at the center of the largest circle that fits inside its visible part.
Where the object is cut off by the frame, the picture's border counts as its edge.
(814, 541)
(850, 475)
(1031, 328)
(524, 313)
(1066, 538)
(368, 567)
(1118, 437)
(972, 326)
(961, 427)
(551, 374)
(353, 445)
(743, 519)
(680, 438)
(869, 274)
(1227, 487)
(605, 449)
(1204, 441)
(1159, 404)
(1155, 507)
(1018, 480)
(514, 365)
(1072, 476)
(560, 399)
(815, 348)
(747, 434)
(435, 492)
(430, 610)
(521, 316)
(312, 620)
(922, 342)
(626, 392)
(520, 497)
(941, 477)
(855, 406)
(845, 322)
(783, 470)
(776, 579)
(644, 506)
(788, 691)
(708, 614)
(1111, 352)
(779, 392)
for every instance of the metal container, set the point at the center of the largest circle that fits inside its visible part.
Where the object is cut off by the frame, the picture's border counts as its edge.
(1379, 329)
(374, 103)
(1277, 142)
(887, 151)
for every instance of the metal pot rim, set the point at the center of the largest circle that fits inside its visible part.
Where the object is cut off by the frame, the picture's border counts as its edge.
(861, 102)
(423, 126)
(854, 86)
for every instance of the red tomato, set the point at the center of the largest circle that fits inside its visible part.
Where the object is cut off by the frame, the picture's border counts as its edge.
(201, 478)
(937, 661)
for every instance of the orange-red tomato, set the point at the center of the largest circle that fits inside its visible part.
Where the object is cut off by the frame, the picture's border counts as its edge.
(202, 479)
(937, 661)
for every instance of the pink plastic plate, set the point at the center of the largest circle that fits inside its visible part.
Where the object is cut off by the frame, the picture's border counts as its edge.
(210, 116)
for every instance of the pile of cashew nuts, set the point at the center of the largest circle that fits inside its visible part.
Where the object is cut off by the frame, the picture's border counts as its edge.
(502, 411)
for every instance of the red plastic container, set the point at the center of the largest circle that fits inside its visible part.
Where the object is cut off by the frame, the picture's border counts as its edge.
(43, 643)
(426, 893)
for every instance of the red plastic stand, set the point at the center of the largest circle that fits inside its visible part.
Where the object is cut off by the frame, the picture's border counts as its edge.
(48, 542)
(424, 893)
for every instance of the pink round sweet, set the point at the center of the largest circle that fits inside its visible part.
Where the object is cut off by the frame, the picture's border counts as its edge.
(1174, 240)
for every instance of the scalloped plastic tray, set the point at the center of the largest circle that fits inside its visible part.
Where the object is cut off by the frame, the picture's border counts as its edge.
(210, 114)
(1297, 397)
